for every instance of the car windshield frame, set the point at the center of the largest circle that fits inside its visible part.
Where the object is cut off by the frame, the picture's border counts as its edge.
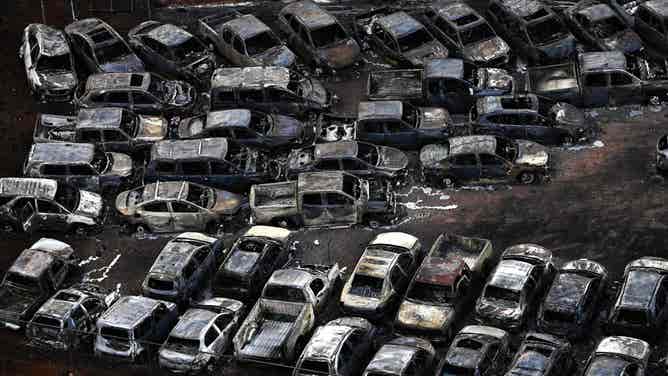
(418, 38)
(54, 63)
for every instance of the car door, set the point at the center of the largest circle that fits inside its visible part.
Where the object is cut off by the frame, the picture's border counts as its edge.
(157, 216)
(454, 94)
(117, 99)
(84, 177)
(313, 209)
(340, 208)
(624, 89)
(493, 167)
(596, 89)
(51, 216)
(463, 167)
(26, 214)
(197, 171)
(188, 217)
(372, 131)
(400, 135)
(543, 130)
(115, 140)
(145, 103)
(356, 167)
(205, 259)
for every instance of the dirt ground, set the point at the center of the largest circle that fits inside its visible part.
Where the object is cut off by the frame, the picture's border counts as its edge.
(602, 204)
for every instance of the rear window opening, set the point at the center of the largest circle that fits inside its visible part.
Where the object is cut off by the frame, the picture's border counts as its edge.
(117, 334)
(22, 281)
(449, 369)
(327, 35)
(160, 284)
(366, 286)
(55, 63)
(559, 317)
(493, 292)
(469, 343)
(467, 19)
(66, 296)
(282, 293)
(632, 317)
(47, 322)
(259, 43)
(414, 40)
(136, 80)
(426, 292)
(313, 365)
(251, 246)
(516, 103)
(182, 345)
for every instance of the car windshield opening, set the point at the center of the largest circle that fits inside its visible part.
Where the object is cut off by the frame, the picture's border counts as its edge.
(249, 245)
(45, 322)
(67, 196)
(414, 40)
(101, 161)
(366, 286)
(607, 27)
(453, 370)
(505, 148)
(182, 345)
(558, 316)
(202, 196)
(632, 317)
(115, 334)
(259, 43)
(317, 366)
(478, 33)
(426, 292)
(160, 284)
(468, 343)
(188, 49)
(129, 123)
(546, 31)
(498, 293)
(111, 52)
(22, 282)
(158, 87)
(284, 293)
(367, 153)
(327, 35)
(54, 63)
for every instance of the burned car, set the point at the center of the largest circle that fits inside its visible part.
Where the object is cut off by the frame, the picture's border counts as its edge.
(80, 165)
(251, 128)
(244, 40)
(48, 63)
(619, 356)
(649, 22)
(533, 28)
(172, 206)
(641, 309)
(270, 89)
(173, 51)
(101, 48)
(515, 286)
(34, 276)
(381, 274)
(443, 286)
(280, 323)
(339, 348)
(182, 267)
(399, 38)
(67, 320)
(251, 260)
(211, 161)
(402, 356)
(542, 354)
(484, 159)
(572, 301)
(356, 157)
(662, 155)
(317, 36)
(524, 117)
(466, 33)
(476, 350)
(125, 330)
(600, 26)
(111, 129)
(201, 336)
(30, 205)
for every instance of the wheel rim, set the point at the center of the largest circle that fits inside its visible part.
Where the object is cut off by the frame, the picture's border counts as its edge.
(527, 178)
(141, 231)
(568, 140)
(448, 182)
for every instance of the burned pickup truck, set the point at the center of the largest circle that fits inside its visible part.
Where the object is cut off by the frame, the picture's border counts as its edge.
(278, 326)
(323, 199)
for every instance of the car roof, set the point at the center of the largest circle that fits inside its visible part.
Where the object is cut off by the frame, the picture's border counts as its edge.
(440, 271)
(61, 308)
(247, 26)
(659, 7)
(567, 292)
(483, 330)
(175, 150)
(292, 277)
(33, 187)
(165, 190)
(173, 257)
(602, 60)
(375, 263)
(169, 35)
(597, 12)
(391, 359)
(251, 77)
(239, 118)
(379, 110)
(511, 274)
(444, 68)
(102, 81)
(128, 311)
(38, 258)
(524, 8)
(322, 181)
(633, 347)
(51, 41)
(61, 152)
(338, 149)
(453, 11)
(397, 239)
(271, 232)
(399, 24)
(103, 118)
(326, 341)
(472, 144)
(310, 14)
(192, 323)
(522, 102)
(638, 291)
(88, 27)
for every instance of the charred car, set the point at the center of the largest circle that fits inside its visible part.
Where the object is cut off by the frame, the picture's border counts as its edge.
(173, 51)
(358, 158)
(177, 206)
(476, 350)
(328, 198)
(515, 286)
(48, 63)
(572, 301)
(34, 276)
(201, 336)
(484, 159)
(67, 320)
(30, 205)
(542, 354)
(443, 285)
(80, 165)
(466, 33)
(381, 274)
(244, 40)
(339, 348)
(641, 308)
(255, 255)
(271, 89)
(182, 267)
(125, 330)
(101, 48)
(317, 36)
(280, 323)
(662, 155)
(650, 22)
(111, 129)
(619, 356)
(402, 356)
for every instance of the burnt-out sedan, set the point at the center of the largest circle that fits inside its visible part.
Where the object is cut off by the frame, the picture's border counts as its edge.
(476, 350)
(542, 354)
(600, 26)
(619, 356)
(402, 356)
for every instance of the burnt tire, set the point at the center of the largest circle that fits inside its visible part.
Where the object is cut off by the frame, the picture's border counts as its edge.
(448, 182)
(528, 178)
(141, 231)
(567, 140)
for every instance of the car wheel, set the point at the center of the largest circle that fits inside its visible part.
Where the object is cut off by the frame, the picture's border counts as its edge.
(448, 182)
(567, 140)
(141, 231)
(79, 231)
(527, 178)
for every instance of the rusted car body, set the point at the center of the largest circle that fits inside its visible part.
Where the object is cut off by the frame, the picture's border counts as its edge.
(544, 352)
(251, 260)
(662, 155)
(476, 350)
(317, 36)
(30, 205)
(339, 348)
(31, 280)
(572, 300)
(649, 22)
(619, 355)
(515, 285)
(283, 317)
(443, 285)
(381, 274)
(181, 268)
(466, 33)
(49, 63)
(402, 356)
(201, 336)
(67, 320)
(245, 40)
(177, 206)
(125, 330)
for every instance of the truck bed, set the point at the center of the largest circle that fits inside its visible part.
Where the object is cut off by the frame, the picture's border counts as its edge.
(399, 84)
(476, 252)
(558, 81)
(283, 194)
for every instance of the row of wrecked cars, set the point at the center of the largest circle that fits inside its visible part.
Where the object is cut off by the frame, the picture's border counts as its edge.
(425, 294)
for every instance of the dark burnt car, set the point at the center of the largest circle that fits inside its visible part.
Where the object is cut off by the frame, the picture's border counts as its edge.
(466, 33)
(619, 356)
(662, 155)
(601, 27)
(542, 355)
(101, 48)
(171, 50)
(48, 63)
(476, 350)
(641, 308)
(402, 356)
(317, 36)
(649, 21)
(248, 265)
(572, 301)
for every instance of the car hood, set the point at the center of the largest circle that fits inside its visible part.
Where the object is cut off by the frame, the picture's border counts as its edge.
(178, 361)
(15, 303)
(280, 56)
(531, 153)
(241, 263)
(227, 202)
(429, 50)
(362, 303)
(486, 51)
(126, 64)
(494, 79)
(568, 115)
(58, 79)
(179, 93)
(314, 90)
(434, 118)
(499, 310)
(121, 166)
(432, 155)
(341, 54)
(424, 316)
(90, 205)
(392, 159)
(626, 41)
(285, 126)
(151, 128)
